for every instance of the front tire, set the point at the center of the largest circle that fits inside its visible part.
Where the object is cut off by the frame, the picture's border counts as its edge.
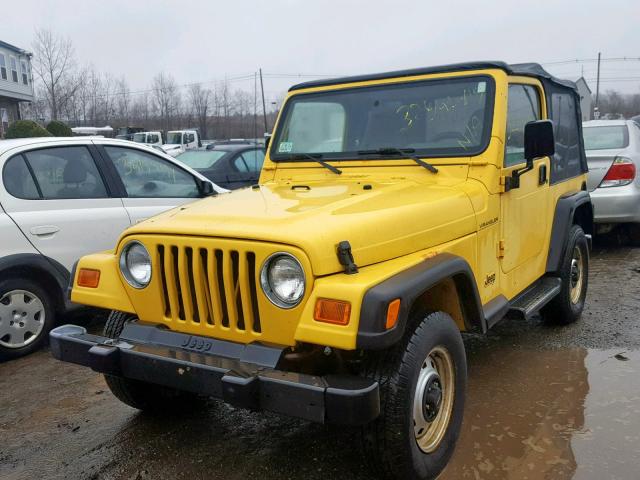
(145, 396)
(568, 305)
(27, 315)
(423, 384)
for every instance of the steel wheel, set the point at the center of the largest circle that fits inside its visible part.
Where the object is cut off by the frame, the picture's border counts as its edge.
(576, 278)
(22, 318)
(433, 399)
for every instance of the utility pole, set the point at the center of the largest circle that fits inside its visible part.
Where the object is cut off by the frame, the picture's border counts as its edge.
(264, 107)
(255, 105)
(598, 82)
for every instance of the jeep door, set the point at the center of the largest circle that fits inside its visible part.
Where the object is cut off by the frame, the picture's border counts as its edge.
(524, 209)
(60, 199)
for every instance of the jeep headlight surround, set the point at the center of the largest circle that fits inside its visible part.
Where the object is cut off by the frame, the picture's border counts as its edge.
(135, 264)
(283, 280)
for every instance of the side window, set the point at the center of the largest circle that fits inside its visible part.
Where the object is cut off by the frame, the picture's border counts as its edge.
(523, 107)
(253, 160)
(14, 69)
(3, 66)
(152, 138)
(566, 162)
(146, 176)
(241, 164)
(66, 172)
(17, 179)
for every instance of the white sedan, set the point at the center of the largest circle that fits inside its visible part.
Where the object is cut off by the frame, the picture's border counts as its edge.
(62, 198)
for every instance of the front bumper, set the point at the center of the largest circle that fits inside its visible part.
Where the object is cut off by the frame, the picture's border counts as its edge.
(242, 375)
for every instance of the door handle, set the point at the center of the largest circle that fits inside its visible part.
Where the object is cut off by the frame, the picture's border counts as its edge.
(542, 175)
(42, 230)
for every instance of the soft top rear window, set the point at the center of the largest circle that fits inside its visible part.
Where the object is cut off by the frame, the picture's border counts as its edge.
(433, 118)
(606, 137)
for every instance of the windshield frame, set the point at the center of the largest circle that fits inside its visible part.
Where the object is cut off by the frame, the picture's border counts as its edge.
(352, 156)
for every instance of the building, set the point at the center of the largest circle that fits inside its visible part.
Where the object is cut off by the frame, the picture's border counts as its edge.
(586, 99)
(16, 83)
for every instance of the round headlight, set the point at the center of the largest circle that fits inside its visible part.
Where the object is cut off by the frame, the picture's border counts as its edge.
(135, 265)
(282, 280)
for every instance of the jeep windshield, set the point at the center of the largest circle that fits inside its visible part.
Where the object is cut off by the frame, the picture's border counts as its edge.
(435, 118)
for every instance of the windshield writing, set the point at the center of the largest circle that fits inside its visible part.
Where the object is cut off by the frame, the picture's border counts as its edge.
(438, 117)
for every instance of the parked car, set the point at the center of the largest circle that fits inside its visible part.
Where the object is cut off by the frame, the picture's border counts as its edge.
(61, 199)
(179, 141)
(231, 166)
(613, 155)
(148, 138)
(390, 219)
(231, 141)
(126, 133)
(636, 119)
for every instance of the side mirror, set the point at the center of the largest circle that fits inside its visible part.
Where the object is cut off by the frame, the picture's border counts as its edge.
(538, 140)
(205, 188)
(267, 141)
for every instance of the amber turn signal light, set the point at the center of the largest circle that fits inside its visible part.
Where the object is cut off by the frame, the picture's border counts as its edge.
(332, 311)
(87, 277)
(393, 310)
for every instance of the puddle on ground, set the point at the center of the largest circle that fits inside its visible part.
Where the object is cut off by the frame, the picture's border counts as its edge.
(551, 414)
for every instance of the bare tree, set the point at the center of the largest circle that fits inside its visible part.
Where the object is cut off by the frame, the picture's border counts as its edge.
(167, 98)
(53, 63)
(123, 100)
(199, 100)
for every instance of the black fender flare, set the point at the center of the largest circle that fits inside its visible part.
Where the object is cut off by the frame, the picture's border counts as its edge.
(408, 286)
(563, 219)
(42, 265)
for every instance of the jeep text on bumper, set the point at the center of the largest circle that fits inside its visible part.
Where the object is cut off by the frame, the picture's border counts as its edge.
(241, 375)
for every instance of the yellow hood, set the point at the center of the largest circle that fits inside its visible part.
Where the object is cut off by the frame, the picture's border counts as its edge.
(380, 220)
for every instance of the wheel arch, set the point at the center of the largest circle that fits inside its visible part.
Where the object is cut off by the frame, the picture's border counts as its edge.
(441, 283)
(572, 209)
(42, 270)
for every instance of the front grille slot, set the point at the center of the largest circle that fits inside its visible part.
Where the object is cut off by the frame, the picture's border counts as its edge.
(213, 288)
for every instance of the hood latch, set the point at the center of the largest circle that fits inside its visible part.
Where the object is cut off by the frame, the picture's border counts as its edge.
(345, 257)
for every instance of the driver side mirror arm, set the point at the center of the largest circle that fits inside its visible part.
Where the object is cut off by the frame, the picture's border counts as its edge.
(538, 142)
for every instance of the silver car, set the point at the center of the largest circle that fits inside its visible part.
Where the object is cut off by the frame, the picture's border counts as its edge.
(613, 155)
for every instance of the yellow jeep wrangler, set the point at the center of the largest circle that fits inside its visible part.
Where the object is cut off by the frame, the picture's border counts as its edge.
(394, 211)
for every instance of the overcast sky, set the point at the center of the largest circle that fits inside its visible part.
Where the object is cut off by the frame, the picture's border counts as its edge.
(208, 40)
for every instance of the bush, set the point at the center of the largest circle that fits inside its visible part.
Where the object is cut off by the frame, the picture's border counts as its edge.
(25, 129)
(59, 129)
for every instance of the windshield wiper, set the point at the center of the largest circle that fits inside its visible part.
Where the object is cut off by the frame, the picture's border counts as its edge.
(316, 157)
(406, 152)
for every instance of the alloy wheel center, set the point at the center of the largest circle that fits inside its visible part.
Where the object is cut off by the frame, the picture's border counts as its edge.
(432, 398)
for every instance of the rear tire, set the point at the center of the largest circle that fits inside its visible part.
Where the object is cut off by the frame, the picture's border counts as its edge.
(145, 396)
(420, 414)
(27, 315)
(567, 306)
(633, 230)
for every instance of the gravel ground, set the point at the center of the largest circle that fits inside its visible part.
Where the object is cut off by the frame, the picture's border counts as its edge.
(544, 402)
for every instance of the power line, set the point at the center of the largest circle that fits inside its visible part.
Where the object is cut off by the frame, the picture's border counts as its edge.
(593, 60)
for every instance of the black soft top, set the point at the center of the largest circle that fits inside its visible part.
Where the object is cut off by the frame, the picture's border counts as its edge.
(525, 69)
